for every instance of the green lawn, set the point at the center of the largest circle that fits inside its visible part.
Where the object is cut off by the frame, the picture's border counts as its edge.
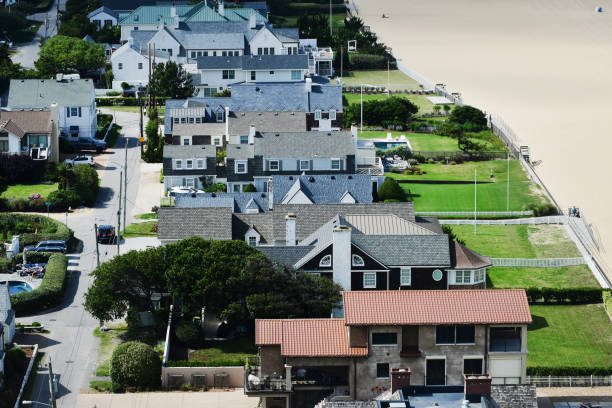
(421, 101)
(147, 216)
(161, 110)
(460, 197)
(561, 277)
(140, 229)
(418, 141)
(573, 336)
(397, 79)
(108, 341)
(291, 21)
(25, 190)
(226, 352)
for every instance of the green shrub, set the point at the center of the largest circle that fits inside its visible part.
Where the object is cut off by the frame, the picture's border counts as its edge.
(561, 371)
(249, 188)
(570, 296)
(135, 364)
(606, 297)
(187, 333)
(49, 293)
(113, 93)
(391, 190)
(34, 228)
(213, 362)
(542, 210)
(471, 119)
(14, 361)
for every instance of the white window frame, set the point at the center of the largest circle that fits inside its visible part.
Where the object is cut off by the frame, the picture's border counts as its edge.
(190, 182)
(277, 165)
(366, 280)
(239, 162)
(339, 161)
(178, 164)
(244, 139)
(140, 65)
(318, 114)
(302, 168)
(326, 261)
(74, 111)
(253, 239)
(253, 76)
(296, 75)
(332, 114)
(217, 141)
(189, 164)
(477, 277)
(357, 260)
(120, 65)
(201, 163)
(403, 280)
(219, 112)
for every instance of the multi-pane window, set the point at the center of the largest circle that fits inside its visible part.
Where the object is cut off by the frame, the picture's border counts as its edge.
(219, 116)
(4, 146)
(189, 164)
(462, 276)
(449, 334)
(357, 260)
(229, 74)
(191, 120)
(369, 280)
(140, 65)
(382, 370)
(326, 261)
(332, 114)
(253, 75)
(405, 277)
(200, 163)
(479, 276)
(74, 111)
(317, 115)
(467, 277)
(335, 164)
(384, 339)
(296, 75)
(190, 182)
(241, 167)
(304, 165)
(253, 241)
(274, 165)
(176, 120)
(244, 140)
(120, 65)
(178, 164)
(185, 142)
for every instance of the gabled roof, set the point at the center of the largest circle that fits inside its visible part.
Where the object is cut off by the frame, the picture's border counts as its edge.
(384, 224)
(41, 93)
(433, 307)
(239, 122)
(307, 337)
(254, 62)
(238, 202)
(21, 122)
(287, 255)
(409, 250)
(124, 5)
(103, 9)
(189, 152)
(463, 257)
(200, 12)
(322, 189)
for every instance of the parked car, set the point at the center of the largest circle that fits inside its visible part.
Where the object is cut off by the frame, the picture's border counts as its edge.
(47, 246)
(87, 143)
(182, 190)
(80, 159)
(106, 234)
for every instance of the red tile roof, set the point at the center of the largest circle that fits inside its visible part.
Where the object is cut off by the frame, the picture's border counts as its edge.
(307, 337)
(268, 332)
(429, 307)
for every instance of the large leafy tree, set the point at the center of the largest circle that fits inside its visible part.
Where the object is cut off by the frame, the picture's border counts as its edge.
(171, 80)
(227, 277)
(62, 54)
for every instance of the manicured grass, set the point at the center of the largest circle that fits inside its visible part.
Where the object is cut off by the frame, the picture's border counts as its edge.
(291, 21)
(421, 101)
(161, 110)
(233, 350)
(561, 277)
(102, 386)
(518, 241)
(418, 141)
(25, 190)
(140, 229)
(574, 336)
(460, 197)
(108, 341)
(147, 216)
(397, 79)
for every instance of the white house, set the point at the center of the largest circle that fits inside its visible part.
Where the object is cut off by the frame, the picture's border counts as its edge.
(75, 99)
(132, 65)
(267, 42)
(32, 133)
(103, 17)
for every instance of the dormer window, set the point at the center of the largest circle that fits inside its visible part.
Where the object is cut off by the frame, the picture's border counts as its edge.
(317, 114)
(326, 261)
(219, 115)
(332, 114)
(357, 260)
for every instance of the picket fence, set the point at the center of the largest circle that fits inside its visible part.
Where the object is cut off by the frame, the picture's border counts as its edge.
(537, 262)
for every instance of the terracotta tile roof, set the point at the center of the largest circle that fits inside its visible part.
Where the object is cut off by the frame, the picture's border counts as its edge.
(429, 307)
(268, 332)
(463, 257)
(29, 121)
(307, 337)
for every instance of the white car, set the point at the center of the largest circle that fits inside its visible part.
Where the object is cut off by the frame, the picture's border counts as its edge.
(182, 190)
(80, 159)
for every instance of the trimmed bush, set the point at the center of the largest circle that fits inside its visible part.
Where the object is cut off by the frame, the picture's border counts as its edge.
(49, 293)
(215, 362)
(569, 296)
(542, 210)
(390, 190)
(567, 371)
(606, 296)
(135, 364)
(369, 61)
(188, 333)
(470, 118)
(20, 169)
(15, 361)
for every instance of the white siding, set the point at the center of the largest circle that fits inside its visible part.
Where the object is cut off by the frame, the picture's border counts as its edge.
(101, 17)
(265, 39)
(164, 41)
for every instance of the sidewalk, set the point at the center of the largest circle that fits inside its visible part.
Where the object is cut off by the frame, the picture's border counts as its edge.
(149, 188)
(209, 399)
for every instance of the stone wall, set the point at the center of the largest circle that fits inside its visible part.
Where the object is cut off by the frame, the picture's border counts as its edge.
(235, 375)
(514, 396)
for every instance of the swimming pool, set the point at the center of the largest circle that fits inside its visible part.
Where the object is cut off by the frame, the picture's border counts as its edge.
(384, 145)
(18, 287)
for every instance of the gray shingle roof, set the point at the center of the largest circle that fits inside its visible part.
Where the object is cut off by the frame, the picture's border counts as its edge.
(296, 145)
(189, 152)
(324, 189)
(238, 202)
(209, 223)
(103, 9)
(254, 62)
(40, 93)
(384, 224)
(287, 255)
(413, 250)
(210, 104)
(239, 122)
(286, 96)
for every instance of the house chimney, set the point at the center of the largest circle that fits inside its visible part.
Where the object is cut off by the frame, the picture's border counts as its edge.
(227, 135)
(221, 9)
(251, 134)
(400, 378)
(355, 142)
(252, 21)
(341, 257)
(309, 85)
(476, 385)
(53, 152)
(290, 229)
(175, 22)
(270, 194)
(172, 11)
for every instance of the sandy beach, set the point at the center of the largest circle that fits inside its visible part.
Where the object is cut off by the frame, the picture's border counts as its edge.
(544, 66)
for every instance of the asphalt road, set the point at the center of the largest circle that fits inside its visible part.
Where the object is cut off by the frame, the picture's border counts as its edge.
(27, 53)
(71, 344)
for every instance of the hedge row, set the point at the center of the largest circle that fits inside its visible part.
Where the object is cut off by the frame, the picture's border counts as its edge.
(216, 362)
(49, 293)
(562, 371)
(572, 296)
(607, 301)
(128, 101)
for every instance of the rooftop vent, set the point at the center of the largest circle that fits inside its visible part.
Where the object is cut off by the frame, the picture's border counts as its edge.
(292, 113)
(257, 89)
(290, 177)
(333, 177)
(350, 177)
(311, 179)
(213, 195)
(263, 195)
(277, 135)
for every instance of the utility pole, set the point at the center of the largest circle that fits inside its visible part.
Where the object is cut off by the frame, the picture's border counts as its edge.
(141, 132)
(125, 184)
(475, 201)
(341, 60)
(508, 183)
(388, 79)
(330, 19)
(97, 249)
(51, 386)
(361, 126)
(119, 212)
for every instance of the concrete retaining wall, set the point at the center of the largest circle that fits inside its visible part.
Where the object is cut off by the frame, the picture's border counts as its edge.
(236, 375)
(514, 396)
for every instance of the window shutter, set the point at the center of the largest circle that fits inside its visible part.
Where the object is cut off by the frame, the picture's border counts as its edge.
(68, 112)
(79, 111)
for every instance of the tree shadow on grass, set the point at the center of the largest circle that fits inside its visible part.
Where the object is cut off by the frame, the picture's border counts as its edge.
(538, 322)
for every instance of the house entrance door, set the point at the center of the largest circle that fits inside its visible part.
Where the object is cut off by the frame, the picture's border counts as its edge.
(435, 372)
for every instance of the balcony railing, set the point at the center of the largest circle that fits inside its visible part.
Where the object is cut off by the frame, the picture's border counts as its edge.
(410, 351)
(255, 382)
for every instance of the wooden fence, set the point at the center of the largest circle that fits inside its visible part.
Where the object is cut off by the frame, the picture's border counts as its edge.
(537, 262)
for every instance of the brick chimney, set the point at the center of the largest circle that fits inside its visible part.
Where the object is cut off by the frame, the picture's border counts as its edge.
(251, 134)
(475, 386)
(400, 378)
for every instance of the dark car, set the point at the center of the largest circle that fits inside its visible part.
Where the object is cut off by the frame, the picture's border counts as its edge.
(106, 234)
(47, 246)
(87, 143)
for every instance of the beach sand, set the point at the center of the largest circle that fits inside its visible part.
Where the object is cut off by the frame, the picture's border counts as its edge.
(544, 66)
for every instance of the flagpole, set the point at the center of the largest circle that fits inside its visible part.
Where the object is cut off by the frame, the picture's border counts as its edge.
(508, 184)
(474, 201)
